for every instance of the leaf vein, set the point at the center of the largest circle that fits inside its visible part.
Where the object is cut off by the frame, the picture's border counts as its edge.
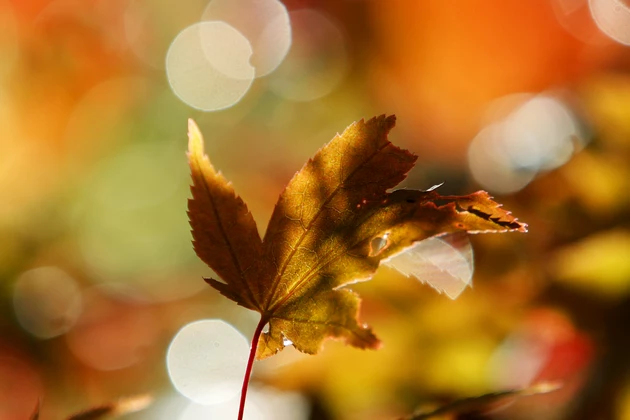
(233, 255)
(324, 205)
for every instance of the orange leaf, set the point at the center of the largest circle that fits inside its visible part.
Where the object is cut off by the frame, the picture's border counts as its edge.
(322, 234)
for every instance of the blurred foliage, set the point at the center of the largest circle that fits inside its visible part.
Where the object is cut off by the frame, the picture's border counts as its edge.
(93, 181)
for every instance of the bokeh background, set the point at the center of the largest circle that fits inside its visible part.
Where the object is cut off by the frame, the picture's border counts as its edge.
(528, 100)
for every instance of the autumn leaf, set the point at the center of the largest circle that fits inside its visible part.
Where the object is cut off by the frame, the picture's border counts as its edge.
(322, 234)
(445, 262)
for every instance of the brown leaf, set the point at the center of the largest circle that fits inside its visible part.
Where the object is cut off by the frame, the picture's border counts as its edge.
(322, 232)
(224, 232)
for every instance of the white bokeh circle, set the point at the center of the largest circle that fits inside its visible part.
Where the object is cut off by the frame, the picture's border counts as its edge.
(208, 66)
(265, 23)
(206, 361)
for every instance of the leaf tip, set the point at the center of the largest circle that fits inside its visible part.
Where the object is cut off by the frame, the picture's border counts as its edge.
(365, 339)
(390, 120)
(195, 138)
(386, 121)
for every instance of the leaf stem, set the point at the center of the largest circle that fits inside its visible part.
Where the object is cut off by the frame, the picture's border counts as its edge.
(250, 365)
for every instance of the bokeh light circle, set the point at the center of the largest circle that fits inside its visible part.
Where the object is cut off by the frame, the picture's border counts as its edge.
(612, 17)
(575, 18)
(206, 361)
(223, 410)
(535, 133)
(263, 403)
(490, 166)
(317, 62)
(265, 23)
(208, 66)
(46, 301)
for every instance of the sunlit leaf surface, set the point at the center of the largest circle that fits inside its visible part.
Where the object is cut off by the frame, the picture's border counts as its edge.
(332, 225)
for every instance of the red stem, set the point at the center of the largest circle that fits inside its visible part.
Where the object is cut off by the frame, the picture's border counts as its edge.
(250, 365)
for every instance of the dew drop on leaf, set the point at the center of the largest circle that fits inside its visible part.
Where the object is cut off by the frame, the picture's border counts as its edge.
(378, 244)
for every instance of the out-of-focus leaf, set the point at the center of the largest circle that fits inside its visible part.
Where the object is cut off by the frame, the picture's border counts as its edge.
(607, 97)
(600, 184)
(485, 402)
(599, 263)
(333, 225)
(445, 263)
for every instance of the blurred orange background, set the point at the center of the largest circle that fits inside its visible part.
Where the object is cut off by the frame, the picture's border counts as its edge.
(528, 100)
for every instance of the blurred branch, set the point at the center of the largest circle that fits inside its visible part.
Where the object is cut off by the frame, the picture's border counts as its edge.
(35, 415)
(118, 408)
(482, 402)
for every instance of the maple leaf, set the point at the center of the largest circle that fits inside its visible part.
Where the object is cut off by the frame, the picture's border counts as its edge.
(322, 234)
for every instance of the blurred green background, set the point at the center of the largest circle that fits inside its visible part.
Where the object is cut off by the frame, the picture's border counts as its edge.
(528, 100)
